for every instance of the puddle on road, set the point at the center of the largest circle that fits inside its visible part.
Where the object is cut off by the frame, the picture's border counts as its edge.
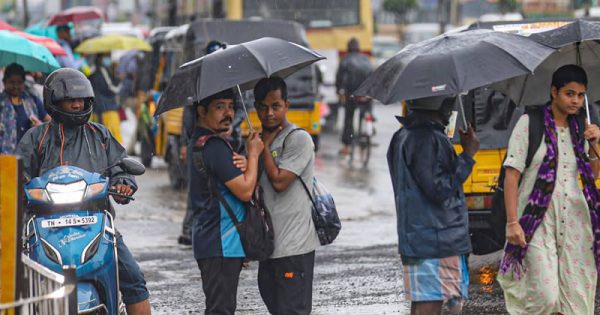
(485, 294)
(485, 278)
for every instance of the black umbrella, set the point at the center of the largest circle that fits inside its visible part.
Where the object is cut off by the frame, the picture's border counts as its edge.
(575, 32)
(577, 43)
(452, 64)
(238, 66)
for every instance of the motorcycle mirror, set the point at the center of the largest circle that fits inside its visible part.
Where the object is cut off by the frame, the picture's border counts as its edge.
(132, 166)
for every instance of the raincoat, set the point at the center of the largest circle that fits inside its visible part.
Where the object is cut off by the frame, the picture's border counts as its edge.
(427, 177)
(353, 70)
(89, 146)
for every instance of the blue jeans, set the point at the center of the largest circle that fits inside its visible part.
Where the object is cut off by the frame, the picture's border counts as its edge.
(131, 278)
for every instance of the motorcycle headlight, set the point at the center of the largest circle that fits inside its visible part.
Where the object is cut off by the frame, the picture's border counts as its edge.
(94, 189)
(39, 194)
(66, 193)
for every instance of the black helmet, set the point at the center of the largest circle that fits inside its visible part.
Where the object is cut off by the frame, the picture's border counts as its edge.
(63, 84)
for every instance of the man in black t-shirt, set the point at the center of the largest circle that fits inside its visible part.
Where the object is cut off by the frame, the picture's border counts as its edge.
(215, 240)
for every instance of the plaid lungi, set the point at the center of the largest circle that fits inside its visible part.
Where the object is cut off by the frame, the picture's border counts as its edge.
(436, 279)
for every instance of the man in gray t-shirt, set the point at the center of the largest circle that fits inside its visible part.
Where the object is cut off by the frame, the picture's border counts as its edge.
(285, 280)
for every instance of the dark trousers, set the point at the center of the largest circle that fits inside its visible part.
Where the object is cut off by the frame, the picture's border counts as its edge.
(131, 279)
(285, 284)
(188, 220)
(349, 108)
(220, 277)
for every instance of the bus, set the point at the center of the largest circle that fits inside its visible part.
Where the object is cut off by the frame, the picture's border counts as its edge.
(329, 26)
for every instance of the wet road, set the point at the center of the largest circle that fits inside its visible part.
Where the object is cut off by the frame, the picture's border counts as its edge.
(359, 274)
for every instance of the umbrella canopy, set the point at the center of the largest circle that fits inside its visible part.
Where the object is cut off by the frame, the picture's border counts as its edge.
(578, 44)
(577, 31)
(40, 29)
(452, 64)
(108, 43)
(6, 26)
(47, 42)
(32, 56)
(239, 65)
(76, 14)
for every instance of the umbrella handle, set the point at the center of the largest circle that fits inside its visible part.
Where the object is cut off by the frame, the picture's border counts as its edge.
(462, 111)
(245, 110)
(587, 110)
(589, 121)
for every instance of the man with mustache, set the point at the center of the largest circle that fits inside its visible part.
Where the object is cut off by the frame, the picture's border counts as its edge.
(285, 279)
(215, 239)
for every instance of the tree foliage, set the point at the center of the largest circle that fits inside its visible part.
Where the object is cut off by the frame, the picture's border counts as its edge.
(400, 7)
(506, 6)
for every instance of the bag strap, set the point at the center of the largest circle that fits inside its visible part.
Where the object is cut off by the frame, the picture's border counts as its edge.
(222, 200)
(299, 177)
(536, 131)
(286, 136)
(200, 143)
(310, 196)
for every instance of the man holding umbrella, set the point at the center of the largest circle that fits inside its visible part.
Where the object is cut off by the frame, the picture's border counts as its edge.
(433, 233)
(216, 241)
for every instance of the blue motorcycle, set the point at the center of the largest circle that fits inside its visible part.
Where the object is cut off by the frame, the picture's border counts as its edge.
(70, 225)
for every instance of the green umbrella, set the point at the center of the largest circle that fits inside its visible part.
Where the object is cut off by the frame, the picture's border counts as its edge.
(41, 29)
(32, 56)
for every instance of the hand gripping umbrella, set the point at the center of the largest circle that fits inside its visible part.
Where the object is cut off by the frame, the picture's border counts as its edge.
(237, 66)
(453, 64)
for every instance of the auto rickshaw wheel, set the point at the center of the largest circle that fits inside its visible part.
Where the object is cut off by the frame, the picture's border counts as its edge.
(176, 178)
(147, 152)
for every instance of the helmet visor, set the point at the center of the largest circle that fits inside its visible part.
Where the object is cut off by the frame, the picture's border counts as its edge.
(70, 88)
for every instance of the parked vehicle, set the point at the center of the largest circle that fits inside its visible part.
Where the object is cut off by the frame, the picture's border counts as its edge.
(168, 135)
(70, 224)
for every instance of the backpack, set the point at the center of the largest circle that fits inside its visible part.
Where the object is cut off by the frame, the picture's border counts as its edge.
(324, 212)
(497, 218)
(358, 67)
(256, 231)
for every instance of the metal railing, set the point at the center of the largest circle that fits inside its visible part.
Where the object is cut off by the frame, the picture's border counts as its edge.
(44, 291)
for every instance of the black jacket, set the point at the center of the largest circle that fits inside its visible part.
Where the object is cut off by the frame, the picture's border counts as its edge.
(427, 177)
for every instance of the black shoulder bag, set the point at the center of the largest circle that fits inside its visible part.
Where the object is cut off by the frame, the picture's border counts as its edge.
(256, 231)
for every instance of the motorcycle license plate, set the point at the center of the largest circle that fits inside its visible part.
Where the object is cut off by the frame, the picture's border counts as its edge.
(70, 221)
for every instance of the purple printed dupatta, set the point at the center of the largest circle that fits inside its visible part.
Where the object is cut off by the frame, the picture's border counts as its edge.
(541, 195)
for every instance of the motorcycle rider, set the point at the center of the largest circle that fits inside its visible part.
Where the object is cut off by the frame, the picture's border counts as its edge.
(69, 139)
